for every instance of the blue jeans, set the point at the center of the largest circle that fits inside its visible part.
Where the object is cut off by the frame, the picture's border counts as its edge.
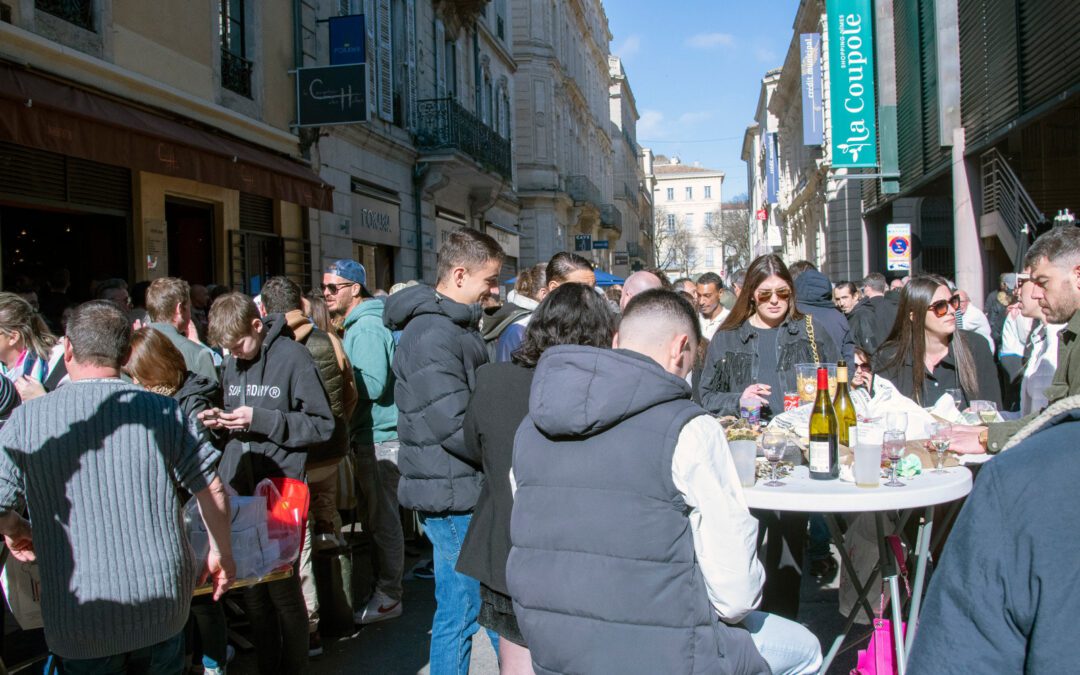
(818, 549)
(164, 658)
(457, 597)
(788, 647)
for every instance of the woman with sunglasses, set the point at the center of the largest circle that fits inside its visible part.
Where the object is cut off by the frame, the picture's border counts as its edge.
(763, 337)
(925, 354)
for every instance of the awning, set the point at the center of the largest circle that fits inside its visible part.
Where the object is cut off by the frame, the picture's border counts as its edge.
(49, 115)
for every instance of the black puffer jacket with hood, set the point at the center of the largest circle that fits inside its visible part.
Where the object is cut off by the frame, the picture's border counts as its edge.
(813, 295)
(435, 366)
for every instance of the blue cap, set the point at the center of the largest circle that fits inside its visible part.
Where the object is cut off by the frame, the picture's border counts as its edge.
(348, 269)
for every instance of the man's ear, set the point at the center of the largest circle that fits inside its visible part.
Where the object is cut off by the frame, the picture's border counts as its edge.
(458, 275)
(257, 325)
(679, 347)
(69, 354)
(1076, 276)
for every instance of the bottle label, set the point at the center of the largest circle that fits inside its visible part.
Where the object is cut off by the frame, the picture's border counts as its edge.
(819, 456)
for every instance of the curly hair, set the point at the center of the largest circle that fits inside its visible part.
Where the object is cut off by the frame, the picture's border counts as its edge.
(572, 314)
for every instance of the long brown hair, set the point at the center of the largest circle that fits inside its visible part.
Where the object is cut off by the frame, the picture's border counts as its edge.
(761, 269)
(907, 339)
(155, 362)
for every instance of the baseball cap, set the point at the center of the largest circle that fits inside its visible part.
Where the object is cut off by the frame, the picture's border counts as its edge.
(348, 269)
(1009, 280)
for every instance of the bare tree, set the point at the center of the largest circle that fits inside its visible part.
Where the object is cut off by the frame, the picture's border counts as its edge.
(729, 229)
(673, 243)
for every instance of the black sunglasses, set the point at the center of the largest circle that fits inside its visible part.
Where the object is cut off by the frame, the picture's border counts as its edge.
(334, 288)
(941, 307)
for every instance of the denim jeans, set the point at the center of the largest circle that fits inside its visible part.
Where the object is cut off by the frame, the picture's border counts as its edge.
(212, 630)
(457, 597)
(788, 647)
(279, 626)
(818, 549)
(164, 658)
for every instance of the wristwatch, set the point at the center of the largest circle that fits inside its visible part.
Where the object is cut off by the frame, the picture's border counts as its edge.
(984, 440)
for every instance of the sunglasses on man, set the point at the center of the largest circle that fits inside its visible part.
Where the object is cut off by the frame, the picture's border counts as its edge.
(334, 288)
(941, 307)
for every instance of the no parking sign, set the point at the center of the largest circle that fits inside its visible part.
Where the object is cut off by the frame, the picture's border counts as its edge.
(898, 255)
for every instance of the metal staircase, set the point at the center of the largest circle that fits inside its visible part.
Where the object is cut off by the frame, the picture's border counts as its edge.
(1008, 211)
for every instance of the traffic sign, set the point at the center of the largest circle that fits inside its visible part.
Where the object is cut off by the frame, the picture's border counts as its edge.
(582, 242)
(898, 255)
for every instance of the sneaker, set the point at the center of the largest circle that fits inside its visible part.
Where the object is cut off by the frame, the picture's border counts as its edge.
(314, 645)
(424, 570)
(213, 671)
(379, 608)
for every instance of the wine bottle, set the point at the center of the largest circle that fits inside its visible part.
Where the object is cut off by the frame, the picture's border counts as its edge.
(844, 408)
(824, 452)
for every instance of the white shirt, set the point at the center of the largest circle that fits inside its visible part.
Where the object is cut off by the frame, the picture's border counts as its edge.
(975, 320)
(725, 534)
(1039, 371)
(709, 326)
(1014, 334)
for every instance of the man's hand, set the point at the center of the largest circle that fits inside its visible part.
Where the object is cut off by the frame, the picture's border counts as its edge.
(18, 537)
(211, 418)
(965, 440)
(221, 569)
(29, 388)
(22, 548)
(237, 420)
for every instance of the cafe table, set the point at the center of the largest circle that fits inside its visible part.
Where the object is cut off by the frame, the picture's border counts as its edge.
(831, 497)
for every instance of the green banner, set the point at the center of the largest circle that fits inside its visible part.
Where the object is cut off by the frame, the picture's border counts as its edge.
(853, 127)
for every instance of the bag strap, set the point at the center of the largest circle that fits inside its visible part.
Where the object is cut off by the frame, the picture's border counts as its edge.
(896, 547)
(810, 335)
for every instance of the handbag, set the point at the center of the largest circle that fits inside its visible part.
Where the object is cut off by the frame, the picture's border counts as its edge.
(21, 582)
(879, 657)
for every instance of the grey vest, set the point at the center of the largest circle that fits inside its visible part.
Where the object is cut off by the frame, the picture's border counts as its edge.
(603, 570)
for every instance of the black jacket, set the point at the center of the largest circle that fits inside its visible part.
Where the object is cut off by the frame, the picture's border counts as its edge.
(499, 404)
(945, 376)
(813, 293)
(196, 394)
(732, 361)
(871, 320)
(290, 410)
(435, 366)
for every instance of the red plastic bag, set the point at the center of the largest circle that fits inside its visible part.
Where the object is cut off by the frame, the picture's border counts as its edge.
(287, 501)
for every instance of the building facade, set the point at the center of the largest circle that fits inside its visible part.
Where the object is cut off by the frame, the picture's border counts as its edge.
(633, 202)
(131, 149)
(766, 228)
(688, 203)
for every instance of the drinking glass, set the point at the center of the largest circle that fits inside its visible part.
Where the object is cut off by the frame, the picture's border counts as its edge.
(940, 437)
(896, 421)
(957, 397)
(986, 410)
(893, 442)
(774, 443)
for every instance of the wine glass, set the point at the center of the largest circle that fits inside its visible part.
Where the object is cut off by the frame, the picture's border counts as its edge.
(957, 397)
(774, 442)
(940, 438)
(986, 410)
(896, 421)
(893, 442)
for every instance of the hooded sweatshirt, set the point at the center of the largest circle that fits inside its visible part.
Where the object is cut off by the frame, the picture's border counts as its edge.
(435, 367)
(813, 295)
(290, 410)
(370, 348)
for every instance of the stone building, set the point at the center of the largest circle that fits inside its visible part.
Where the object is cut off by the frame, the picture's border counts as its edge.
(688, 203)
(633, 198)
(766, 229)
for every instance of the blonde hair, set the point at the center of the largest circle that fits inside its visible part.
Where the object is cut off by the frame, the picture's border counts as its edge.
(19, 316)
(155, 362)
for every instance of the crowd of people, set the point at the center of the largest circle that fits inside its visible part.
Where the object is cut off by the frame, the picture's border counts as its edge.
(560, 449)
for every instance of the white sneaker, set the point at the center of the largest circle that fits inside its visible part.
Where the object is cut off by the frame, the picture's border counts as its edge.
(379, 608)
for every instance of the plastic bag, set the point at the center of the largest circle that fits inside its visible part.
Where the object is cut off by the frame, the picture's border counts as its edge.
(22, 588)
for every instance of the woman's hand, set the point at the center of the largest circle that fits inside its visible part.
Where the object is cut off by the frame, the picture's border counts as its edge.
(29, 388)
(759, 392)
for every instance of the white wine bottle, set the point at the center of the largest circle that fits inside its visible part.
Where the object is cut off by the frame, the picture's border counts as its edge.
(824, 452)
(843, 407)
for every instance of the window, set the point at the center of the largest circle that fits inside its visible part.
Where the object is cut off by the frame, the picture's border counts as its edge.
(708, 192)
(671, 194)
(708, 216)
(710, 256)
(689, 194)
(671, 223)
(689, 219)
(235, 68)
(78, 12)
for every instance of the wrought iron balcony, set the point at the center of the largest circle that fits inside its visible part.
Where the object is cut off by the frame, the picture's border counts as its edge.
(235, 73)
(583, 191)
(78, 12)
(445, 125)
(610, 217)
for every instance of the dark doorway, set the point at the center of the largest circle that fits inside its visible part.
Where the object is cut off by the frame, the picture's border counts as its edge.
(191, 240)
(255, 258)
(36, 242)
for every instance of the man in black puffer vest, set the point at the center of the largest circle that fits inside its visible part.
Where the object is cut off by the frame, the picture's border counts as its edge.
(435, 366)
(633, 549)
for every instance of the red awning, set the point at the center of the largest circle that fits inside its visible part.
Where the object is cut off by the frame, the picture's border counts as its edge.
(50, 115)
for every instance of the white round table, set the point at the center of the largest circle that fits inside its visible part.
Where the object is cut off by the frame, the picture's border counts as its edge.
(829, 497)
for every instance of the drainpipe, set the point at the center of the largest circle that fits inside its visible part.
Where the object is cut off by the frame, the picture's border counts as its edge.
(420, 171)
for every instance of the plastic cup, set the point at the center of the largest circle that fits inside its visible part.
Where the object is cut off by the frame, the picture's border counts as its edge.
(745, 455)
(867, 465)
(806, 376)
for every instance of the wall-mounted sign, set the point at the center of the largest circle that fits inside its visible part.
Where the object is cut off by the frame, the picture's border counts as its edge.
(761, 214)
(347, 40)
(331, 95)
(851, 83)
(772, 171)
(375, 221)
(582, 242)
(898, 255)
(621, 258)
(813, 110)
(600, 243)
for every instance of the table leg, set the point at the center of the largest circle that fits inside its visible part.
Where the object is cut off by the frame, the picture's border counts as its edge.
(926, 530)
(888, 571)
(849, 567)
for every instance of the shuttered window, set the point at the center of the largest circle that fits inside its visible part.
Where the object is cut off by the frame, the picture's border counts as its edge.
(34, 174)
(385, 60)
(256, 213)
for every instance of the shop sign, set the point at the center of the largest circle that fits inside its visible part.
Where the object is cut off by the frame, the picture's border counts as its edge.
(328, 95)
(347, 40)
(600, 244)
(898, 255)
(510, 242)
(375, 221)
(813, 111)
(772, 171)
(621, 258)
(851, 83)
(582, 242)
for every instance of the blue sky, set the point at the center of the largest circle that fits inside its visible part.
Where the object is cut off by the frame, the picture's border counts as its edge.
(695, 67)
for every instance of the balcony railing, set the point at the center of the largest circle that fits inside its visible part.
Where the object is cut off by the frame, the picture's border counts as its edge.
(610, 217)
(235, 73)
(445, 125)
(583, 191)
(78, 12)
(630, 195)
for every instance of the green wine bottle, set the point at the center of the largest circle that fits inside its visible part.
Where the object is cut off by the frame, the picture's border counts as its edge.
(842, 405)
(824, 452)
